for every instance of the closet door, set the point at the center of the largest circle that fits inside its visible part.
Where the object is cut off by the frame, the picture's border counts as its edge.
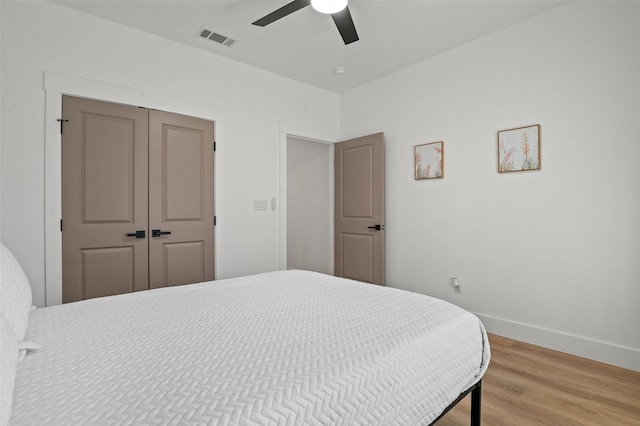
(104, 199)
(180, 200)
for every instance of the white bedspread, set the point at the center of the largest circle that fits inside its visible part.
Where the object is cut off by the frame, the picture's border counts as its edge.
(283, 348)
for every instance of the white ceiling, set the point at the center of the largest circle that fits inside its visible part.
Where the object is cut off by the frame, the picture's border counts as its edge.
(306, 45)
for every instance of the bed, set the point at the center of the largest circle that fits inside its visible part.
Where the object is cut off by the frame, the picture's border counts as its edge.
(280, 348)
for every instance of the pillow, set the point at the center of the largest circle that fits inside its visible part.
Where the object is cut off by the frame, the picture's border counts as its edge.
(8, 365)
(15, 293)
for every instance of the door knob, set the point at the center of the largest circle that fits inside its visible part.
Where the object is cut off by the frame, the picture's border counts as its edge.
(376, 227)
(137, 234)
(157, 232)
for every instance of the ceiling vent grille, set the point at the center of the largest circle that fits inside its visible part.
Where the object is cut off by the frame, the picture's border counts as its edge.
(218, 38)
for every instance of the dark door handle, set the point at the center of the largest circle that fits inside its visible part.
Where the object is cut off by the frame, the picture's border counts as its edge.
(138, 234)
(376, 227)
(157, 232)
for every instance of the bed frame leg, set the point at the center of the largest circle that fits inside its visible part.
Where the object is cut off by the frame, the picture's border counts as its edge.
(476, 396)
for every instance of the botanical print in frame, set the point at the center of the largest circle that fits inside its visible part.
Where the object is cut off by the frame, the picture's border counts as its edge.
(519, 149)
(429, 160)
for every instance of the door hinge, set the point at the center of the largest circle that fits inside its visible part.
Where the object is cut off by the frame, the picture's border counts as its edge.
(215, 221)
(60, 225)
(214, 145)
(61, 121)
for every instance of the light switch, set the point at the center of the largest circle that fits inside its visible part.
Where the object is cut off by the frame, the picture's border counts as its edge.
(260, 204)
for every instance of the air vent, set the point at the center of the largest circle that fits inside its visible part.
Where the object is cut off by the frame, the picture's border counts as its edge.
(218, 38)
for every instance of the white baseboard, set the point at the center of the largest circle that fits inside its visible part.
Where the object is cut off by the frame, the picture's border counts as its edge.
(597, 350)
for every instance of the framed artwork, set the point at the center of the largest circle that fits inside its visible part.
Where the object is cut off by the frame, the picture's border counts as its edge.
(519, 149)
(429, 160)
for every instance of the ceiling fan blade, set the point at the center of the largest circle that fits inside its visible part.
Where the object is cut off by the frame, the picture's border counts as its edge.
(285, 10)
(345, 25)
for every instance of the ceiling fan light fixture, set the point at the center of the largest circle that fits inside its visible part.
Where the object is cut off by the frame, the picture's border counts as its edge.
(329, 6)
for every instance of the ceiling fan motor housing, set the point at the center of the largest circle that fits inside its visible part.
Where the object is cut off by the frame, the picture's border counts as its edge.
(329, 6)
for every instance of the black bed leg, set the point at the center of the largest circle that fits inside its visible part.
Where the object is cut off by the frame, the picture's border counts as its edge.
(476, 397)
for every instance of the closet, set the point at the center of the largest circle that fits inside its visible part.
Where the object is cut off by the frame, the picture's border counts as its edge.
(137, 199)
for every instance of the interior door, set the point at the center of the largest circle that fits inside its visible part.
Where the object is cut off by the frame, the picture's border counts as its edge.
(104, 199)
(181, 210)
(359, 209)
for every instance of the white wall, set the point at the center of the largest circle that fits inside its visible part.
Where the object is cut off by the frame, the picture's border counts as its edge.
(1, 49)
(309, 206)
(41, 36)
(551, 257)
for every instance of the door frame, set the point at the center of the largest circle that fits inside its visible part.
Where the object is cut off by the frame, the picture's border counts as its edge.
(328, 203)
(56, 85)
(287, 130)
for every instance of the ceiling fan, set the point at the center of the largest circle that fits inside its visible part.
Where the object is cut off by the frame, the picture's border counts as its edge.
(338, 10)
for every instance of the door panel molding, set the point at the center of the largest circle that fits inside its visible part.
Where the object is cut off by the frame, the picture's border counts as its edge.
(100, 160)
(183, 262)
(108, 271)
(183, 154)
(358, 191)
(357, 252)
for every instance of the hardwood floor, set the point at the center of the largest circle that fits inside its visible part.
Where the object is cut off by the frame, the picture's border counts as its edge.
(531, 385)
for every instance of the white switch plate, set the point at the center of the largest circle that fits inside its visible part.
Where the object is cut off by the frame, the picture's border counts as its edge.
(260, 204)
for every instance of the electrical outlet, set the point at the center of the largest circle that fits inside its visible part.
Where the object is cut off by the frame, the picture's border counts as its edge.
(456, 283)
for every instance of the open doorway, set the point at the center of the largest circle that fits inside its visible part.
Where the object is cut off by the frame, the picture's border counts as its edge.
(309, 205)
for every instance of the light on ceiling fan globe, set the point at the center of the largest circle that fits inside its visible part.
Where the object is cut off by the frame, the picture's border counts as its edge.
(329, 6)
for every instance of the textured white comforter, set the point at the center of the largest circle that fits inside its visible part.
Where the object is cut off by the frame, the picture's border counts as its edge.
(282, 348)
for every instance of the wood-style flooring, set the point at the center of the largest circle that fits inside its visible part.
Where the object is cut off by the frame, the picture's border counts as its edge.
(530, 385)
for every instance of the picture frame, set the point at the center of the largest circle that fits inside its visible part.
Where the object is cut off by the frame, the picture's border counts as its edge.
(428, 160)
(519, 149)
